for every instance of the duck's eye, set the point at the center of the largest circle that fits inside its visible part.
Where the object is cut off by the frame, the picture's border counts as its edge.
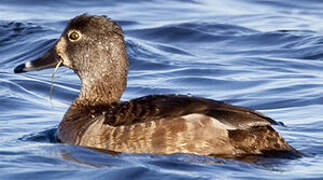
(74, 36)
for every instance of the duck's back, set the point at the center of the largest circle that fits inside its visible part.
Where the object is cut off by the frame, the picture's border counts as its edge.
(172, 124)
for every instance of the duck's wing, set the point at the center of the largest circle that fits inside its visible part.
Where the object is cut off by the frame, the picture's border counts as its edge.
(155, 107)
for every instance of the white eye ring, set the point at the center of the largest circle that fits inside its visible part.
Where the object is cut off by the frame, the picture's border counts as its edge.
(74, 35)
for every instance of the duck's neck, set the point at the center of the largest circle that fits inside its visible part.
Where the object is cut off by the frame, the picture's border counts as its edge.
(103, 74)
(102, 87)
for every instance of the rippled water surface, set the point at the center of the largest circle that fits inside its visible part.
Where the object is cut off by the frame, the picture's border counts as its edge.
(262, 54)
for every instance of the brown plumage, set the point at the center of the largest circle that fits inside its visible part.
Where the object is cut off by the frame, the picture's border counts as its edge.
(93, 46)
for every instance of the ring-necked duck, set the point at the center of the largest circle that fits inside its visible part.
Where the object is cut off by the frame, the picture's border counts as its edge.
(94, 47)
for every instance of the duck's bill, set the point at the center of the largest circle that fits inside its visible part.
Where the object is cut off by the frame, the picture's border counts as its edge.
(49, 60)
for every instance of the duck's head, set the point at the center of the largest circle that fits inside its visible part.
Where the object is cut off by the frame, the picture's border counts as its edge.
(93, 46)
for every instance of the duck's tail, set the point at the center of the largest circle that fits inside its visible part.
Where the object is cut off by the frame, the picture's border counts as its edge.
(262, 140)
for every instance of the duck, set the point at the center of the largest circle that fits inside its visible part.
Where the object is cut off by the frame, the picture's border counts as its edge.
(93, 46)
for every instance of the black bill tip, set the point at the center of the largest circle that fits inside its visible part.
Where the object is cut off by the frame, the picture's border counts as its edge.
(19, 69)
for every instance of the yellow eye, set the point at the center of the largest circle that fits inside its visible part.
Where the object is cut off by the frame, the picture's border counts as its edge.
(74, 36)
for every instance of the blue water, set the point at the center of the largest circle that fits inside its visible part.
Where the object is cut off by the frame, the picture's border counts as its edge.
(262, 54)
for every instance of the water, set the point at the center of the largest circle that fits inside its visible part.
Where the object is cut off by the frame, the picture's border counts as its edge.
(262, 54)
